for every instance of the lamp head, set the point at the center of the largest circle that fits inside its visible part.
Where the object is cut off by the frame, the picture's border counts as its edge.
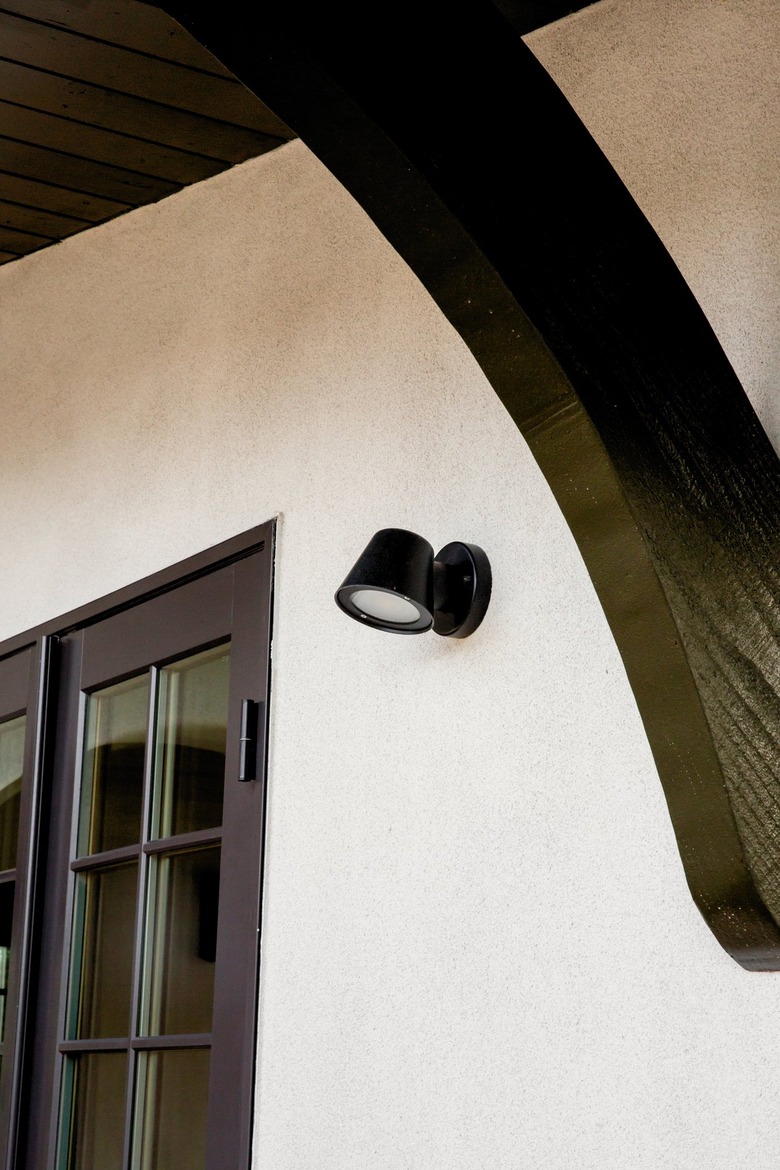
(390, 586)
(398, 586)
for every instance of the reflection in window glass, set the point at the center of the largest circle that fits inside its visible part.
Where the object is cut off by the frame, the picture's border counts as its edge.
(7, 890)
(94, 1111)
(183, 899)
(103, 951)
(113, 770)
(171, 1096)
(11, 762)
(190, 756)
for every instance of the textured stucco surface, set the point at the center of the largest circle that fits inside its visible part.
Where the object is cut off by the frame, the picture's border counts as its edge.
(683, 96)
(479, 950)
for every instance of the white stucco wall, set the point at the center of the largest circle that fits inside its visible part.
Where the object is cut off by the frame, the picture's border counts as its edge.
(479, 949)
(683, 96)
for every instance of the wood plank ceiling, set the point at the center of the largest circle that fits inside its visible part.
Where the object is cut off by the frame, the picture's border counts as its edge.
(105, 107)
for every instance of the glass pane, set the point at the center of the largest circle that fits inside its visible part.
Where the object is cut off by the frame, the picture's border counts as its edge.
(11, 763)
(190, 755)
(113, 770)
(94, 1111)
(172, 1096)
(183, 900)
(7, 890)
(103, 951)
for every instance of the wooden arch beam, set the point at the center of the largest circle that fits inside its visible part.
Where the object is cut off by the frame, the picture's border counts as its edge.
(444, 127)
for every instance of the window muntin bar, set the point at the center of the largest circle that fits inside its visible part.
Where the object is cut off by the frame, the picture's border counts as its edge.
(102, 860)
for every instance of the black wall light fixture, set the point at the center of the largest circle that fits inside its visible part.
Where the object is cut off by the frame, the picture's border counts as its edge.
(397, 585)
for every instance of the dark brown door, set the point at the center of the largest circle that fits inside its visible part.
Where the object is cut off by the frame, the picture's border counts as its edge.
(147, 988)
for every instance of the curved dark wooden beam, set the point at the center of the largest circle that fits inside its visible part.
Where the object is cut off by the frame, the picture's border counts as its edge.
(465, 154)
(527, 15)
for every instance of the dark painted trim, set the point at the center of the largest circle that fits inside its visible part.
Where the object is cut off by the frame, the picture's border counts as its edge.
(220, 555)
(470, 161)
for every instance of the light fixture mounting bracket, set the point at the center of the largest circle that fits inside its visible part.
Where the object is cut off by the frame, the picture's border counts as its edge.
(462, 584)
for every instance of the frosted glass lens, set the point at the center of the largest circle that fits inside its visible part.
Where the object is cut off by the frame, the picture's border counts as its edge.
(386, 607)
